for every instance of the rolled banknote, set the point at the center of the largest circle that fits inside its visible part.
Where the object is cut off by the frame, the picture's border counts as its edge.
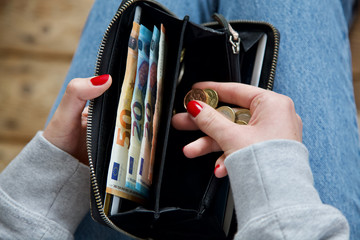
(142, 183)
(115, 185)
(137, 106)
(158, 101)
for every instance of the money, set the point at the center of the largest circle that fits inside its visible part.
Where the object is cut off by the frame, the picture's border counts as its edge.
(228, 112)
(115, 185)
(213, 98)
(238, 115)
(142, 183)
(158, 101)
(242, 116)
(182, 66)
(137, 106)
(195, 94)
(208, 96)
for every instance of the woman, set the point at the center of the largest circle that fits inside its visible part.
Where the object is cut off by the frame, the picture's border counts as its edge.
(44, 191)
(314, 70)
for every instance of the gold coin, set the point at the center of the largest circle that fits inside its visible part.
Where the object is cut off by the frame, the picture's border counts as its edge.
(228, 112)
(182, 55)
(242, 116)
(195, 94)
(213, 97)
(241, 122)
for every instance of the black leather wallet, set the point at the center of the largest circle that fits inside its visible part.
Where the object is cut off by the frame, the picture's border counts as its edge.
(186, 201)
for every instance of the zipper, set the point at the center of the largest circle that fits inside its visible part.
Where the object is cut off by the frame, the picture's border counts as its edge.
(93, 180)
(274, 60)
(233, 48)
(234, 38)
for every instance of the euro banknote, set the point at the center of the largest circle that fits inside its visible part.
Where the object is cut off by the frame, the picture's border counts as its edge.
(142, 183)
(137, 106)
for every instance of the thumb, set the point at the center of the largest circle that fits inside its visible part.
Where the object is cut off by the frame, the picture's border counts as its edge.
(79, 90)
(64, 129)
(211, 122)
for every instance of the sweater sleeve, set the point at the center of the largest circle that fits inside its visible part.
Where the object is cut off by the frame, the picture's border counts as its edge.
(44, 193)
(274, 195)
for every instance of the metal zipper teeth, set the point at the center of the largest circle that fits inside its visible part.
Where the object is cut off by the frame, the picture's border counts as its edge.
(93, 180)
(276, 46)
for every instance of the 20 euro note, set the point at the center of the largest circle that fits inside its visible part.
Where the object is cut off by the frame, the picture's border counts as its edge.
(118, 161)
(158, 101)
(142, 183)
(137, 106)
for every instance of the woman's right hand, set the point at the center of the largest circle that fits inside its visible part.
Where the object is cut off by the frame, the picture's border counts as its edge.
(273, 116)
(67, 128)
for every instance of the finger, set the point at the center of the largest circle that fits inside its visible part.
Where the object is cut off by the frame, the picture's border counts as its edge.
(65, 126)
(79, 90)
(200, 147)
(300, 124)
(181, 121)
(212, 123)
(84, 117)
(220, 169)
(85, 112)
(234, 93)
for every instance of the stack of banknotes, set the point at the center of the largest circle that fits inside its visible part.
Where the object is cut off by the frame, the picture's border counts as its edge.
(132, 156)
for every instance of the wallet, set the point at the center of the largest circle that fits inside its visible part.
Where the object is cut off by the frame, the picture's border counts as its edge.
(186, 200)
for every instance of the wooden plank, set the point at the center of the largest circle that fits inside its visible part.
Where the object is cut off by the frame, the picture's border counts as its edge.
(42, 26)
(29, 87)
(355, 51)
(355, 48)
(357, 93)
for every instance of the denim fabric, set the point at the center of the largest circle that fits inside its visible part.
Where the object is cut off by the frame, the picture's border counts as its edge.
(314, 69)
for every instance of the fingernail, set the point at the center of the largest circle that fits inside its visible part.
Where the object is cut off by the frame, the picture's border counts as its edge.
(194, 108)
(100, 80)
(216, 167)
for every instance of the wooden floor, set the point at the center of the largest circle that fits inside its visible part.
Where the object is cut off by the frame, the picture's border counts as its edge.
(36, 46)
(37, 41)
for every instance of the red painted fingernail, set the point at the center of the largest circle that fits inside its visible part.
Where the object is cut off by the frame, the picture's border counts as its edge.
(216, 167)
(194, 108)
(100, 80)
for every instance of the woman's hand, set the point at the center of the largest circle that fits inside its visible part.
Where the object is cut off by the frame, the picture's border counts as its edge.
(67, 128)
(273, 116)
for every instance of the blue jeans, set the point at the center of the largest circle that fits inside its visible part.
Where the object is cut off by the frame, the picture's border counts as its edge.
(314, 69)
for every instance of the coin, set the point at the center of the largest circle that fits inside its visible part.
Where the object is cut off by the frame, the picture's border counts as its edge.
(195, 94)
(241, 122)
(213, 97)
(182, 55)
(242, 116)
(228, 112)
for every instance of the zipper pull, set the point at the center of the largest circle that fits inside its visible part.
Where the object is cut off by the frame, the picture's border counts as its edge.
(234, 38)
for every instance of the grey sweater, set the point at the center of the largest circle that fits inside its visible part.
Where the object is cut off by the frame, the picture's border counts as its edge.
(44, 194)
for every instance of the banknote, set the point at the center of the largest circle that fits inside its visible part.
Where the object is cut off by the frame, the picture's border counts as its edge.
(137, 106)
(115, 186)
(158, 101)
(142, 183)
